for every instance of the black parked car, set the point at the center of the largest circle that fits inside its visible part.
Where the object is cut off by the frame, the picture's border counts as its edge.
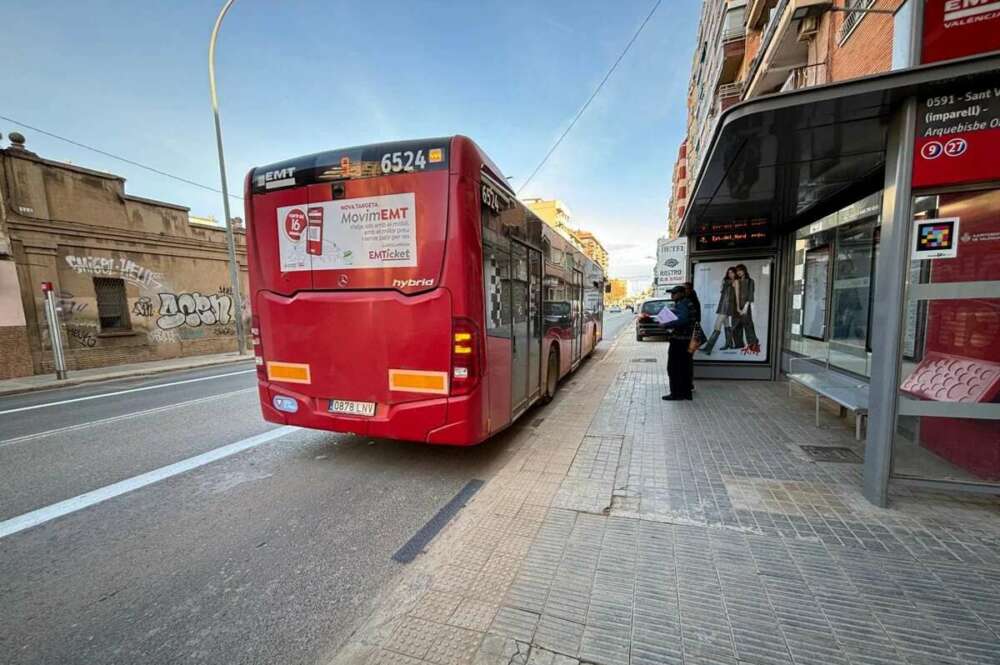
(645, 324)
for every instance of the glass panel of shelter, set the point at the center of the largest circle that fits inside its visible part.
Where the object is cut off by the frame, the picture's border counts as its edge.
(948, 422)
(851, 236)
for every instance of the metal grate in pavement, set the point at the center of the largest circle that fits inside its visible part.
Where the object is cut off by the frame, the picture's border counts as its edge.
(832, 454)
(644, 360)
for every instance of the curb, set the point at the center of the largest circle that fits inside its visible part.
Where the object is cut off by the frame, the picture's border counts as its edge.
(114, 376)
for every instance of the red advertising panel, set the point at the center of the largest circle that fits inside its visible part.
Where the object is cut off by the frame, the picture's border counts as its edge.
(958, 137)
(960, 28)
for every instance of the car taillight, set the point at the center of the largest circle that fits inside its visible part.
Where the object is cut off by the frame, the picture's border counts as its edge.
(258, 348)
(464, 356)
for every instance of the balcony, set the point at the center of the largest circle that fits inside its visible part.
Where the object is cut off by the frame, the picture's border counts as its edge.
(728, 94)
(784, 44)
(806, 77)
(734, 46)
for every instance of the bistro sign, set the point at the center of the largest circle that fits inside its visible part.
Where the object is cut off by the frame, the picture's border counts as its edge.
(958, 137)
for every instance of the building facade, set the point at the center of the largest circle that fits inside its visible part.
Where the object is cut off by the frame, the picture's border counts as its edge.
(750, 48)
(556, 214)
(134, 279)
(593, 248)
(619, 290)
(678, 193)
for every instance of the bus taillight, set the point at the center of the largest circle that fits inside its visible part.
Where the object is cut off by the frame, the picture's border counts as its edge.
(464, 356)
(258, 348)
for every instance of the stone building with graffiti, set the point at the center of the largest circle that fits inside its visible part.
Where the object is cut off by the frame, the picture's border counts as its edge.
(135, 279)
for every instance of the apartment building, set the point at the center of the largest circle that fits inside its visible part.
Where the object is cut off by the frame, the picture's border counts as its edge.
(593, 248)
(556, 214)
(749, 48)
(678, 194)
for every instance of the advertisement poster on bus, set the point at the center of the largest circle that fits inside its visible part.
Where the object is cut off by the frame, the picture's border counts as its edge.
(735, 304)
(372, 232)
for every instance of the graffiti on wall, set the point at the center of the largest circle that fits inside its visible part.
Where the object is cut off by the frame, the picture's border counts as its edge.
(67, 305)
(82, 335)
(121, 267)
(194, 310)
(143, 307)
(157, 336)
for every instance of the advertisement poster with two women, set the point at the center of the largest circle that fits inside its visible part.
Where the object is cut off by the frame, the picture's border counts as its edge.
(735, 301)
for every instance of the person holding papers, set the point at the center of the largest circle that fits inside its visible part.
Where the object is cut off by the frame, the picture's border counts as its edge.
(680, 322)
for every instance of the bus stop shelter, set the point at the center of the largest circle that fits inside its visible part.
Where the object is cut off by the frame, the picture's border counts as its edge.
(787, 161)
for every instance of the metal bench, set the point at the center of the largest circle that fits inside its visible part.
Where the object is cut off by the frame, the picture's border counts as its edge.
(848, 392)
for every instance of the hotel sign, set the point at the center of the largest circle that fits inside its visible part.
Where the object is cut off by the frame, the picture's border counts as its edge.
(958, 137)
(960, 28)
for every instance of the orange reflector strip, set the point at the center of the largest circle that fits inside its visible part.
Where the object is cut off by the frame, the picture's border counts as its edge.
(288, 372)
(418, 381)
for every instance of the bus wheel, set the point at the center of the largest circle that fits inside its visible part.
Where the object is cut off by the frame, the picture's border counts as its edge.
(551, 377)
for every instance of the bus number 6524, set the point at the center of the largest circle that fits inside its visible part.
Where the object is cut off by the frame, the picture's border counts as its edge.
(407, 160)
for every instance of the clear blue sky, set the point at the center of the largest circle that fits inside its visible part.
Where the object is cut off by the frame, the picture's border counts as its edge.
(300, 76)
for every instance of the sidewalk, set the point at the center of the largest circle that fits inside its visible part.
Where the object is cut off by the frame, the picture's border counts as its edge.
(47, 381)
(630, 530)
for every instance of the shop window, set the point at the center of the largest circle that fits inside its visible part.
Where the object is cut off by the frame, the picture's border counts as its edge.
(112, 304)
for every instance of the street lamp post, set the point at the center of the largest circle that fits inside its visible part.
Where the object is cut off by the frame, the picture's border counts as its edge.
(234, 270)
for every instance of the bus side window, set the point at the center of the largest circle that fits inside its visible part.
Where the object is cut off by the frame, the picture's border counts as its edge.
(496, 290)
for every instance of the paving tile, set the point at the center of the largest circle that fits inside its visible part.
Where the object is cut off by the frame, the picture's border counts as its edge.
(473, 614)
(436, 606)
(516, 623)
(454, 646)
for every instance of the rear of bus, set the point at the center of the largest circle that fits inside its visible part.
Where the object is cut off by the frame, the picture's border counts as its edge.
(359, 297)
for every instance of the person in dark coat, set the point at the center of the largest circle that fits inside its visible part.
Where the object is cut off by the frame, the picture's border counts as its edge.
(697, 334)
(679, 365)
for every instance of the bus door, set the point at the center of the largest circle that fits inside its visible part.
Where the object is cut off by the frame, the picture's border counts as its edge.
(520, 308)
(577, 296)
(535, 323)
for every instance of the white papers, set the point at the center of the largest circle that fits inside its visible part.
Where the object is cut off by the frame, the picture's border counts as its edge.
(665, 316)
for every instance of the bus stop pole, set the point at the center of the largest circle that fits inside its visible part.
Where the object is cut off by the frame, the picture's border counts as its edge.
(234, 269)
(888, 318)
(55, 333)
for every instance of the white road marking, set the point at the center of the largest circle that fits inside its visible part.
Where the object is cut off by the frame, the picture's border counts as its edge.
(114, 419)
(87, 499)
(123, 392)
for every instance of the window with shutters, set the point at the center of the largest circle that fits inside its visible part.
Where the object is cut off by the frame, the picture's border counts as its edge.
(112, 304)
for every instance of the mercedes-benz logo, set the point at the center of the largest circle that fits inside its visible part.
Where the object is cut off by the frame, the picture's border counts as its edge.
(342, 280)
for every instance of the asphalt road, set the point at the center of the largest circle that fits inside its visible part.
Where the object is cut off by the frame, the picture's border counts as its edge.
(273, 554)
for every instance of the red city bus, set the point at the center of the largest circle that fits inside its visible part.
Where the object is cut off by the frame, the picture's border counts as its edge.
(401, 291)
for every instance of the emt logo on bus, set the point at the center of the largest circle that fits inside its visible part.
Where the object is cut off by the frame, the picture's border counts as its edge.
(276, 178)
